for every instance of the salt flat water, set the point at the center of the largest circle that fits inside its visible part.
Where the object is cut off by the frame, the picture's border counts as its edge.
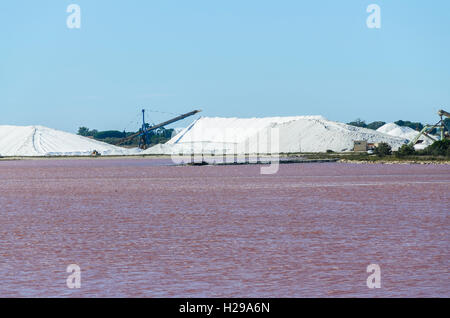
(146, 228)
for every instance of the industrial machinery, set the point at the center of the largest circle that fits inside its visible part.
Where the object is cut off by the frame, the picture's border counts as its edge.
(143, 133)
(428, 128)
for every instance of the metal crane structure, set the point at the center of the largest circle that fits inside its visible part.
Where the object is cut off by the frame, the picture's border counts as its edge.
(428, 128)
(143, 133)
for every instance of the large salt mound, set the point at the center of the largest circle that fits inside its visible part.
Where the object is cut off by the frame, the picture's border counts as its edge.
(398, 131)
(31, 141)
(250, 135)
(319, 135)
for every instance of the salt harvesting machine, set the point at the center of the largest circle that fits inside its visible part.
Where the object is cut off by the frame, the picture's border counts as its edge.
(429, 128)
(143, 133)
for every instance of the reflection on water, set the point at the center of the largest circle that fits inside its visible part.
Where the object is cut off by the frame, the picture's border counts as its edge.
(144, 228)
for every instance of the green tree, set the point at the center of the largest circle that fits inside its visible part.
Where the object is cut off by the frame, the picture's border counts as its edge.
(438, 148)
(83, 131)
(405, 150)
(383, 150)
(375, 125)
(414, 125)
(358, 123)
(109, 134)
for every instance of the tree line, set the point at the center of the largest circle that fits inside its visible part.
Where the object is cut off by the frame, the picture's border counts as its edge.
(404, 123)
(440, 148)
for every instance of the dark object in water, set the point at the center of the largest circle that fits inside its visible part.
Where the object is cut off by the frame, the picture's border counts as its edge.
(202, 163)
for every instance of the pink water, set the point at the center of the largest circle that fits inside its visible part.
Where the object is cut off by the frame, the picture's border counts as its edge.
(137, 227)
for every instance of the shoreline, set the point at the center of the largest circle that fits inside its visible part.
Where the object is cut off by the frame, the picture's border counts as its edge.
(284, 158)
(396, 162)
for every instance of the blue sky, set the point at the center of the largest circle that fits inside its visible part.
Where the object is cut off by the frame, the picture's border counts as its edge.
(240, 58)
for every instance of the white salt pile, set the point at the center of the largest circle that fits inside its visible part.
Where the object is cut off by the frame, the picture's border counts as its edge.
(257, 135)
(319, 135)
(42, 141)
(408, 133)
(398, 131)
